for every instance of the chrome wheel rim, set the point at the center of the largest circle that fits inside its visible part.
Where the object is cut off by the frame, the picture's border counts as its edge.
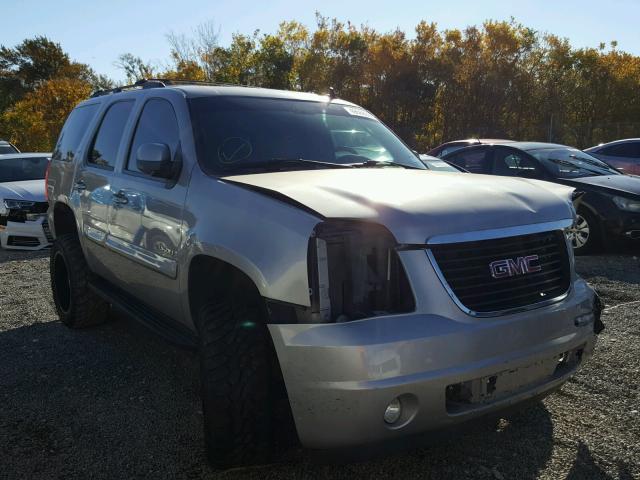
(579, 232)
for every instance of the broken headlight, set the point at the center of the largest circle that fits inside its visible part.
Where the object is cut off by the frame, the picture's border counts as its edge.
(355, 272)
(18, 204)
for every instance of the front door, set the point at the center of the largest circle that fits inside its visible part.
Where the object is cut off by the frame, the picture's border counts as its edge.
(145, 222)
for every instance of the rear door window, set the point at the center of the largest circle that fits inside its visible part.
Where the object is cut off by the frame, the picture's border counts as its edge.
(512, 163)
(474, 160)
(104, 148)
(73, 131)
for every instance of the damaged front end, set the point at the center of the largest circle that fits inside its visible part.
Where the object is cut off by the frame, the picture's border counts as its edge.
(23, 224)
(355, 272)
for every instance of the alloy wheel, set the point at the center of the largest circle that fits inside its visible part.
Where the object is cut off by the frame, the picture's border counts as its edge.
(579, 232)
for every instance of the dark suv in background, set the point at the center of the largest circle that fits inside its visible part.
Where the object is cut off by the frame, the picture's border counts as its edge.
(609, 210)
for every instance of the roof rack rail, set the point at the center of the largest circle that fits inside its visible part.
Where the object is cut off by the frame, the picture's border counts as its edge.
(171, 81)
(160, 83)
(143, 83)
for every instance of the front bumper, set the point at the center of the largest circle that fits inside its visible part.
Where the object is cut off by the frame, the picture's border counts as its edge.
(624, 225)
(341, 377)
(28, 235)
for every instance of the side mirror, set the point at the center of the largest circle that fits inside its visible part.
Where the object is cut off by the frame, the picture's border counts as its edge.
(155, 159)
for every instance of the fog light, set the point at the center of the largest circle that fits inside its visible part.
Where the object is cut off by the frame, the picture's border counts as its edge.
(393, 411)
(583, 320)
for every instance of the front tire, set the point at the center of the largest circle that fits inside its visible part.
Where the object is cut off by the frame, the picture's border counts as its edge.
(76, 305)
(584, 234)
(237, 382)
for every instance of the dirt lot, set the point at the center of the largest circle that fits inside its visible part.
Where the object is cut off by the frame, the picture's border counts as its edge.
(117, 402)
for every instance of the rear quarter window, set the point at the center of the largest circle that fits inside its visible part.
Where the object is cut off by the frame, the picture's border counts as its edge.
(106, 142)
(72, 132)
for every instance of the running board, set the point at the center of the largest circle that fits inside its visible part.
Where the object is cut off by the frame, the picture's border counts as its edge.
(157, 322)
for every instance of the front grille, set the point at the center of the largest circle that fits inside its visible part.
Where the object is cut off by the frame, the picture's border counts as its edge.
(47, 231)
(19, 241)
(465, 267)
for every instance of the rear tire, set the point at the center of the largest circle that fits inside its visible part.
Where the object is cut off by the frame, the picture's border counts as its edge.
(76, 305)
(237, 381)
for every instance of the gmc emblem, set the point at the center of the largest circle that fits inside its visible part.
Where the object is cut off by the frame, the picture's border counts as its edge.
(510, 267)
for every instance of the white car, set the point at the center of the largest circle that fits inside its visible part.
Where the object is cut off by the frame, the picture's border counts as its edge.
(23, 204)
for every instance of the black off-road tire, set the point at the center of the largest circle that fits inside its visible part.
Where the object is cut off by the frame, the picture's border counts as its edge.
(76, 304)
(238, 391)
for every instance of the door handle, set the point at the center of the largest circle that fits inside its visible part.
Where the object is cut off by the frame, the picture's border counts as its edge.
(80, 186)
(120, 198)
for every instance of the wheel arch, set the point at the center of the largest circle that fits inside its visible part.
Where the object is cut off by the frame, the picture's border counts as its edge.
(64, 220)
(211, 276)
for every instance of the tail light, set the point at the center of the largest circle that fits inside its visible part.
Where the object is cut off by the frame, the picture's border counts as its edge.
(46, 182)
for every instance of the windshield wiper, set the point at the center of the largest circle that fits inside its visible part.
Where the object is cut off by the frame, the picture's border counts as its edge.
(380, 163)
(275, 163)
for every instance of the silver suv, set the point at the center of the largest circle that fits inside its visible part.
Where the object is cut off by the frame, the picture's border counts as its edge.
(315, 264)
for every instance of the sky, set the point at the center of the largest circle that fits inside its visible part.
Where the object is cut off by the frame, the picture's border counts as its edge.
(97, 32)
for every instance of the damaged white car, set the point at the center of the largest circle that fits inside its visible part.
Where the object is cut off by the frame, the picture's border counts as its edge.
(23, 204)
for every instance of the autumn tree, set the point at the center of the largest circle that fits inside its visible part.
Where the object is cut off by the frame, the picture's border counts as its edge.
(33, 123)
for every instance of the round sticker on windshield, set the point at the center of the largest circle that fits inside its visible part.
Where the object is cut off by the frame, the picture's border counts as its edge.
(234, 149)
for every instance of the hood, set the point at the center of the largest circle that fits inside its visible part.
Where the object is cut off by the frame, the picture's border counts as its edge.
(615, 183)
(31, 190)
(416, 205)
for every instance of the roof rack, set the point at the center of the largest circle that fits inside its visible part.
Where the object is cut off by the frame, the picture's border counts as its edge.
(160, 83)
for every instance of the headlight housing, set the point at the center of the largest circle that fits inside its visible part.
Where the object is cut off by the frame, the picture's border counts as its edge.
(627, 204)
(10, 204)
(355, 272)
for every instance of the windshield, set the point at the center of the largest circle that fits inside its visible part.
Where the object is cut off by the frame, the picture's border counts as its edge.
(21, 169)
(572, 163)
(237, 134)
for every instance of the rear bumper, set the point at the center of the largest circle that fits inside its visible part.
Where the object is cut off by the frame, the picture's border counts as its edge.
(341, 377)
(29, 235)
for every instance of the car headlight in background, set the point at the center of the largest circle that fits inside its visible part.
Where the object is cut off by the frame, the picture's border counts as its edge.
(10, 204)
(627, 204)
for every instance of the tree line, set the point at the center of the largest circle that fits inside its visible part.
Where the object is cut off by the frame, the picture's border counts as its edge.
(499, 80)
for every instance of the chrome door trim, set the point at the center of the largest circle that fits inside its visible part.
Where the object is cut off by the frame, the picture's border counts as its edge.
(94, 234)
(144, 257)
(499, 232)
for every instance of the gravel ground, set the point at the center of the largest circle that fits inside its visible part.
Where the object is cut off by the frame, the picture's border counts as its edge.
(117, 402)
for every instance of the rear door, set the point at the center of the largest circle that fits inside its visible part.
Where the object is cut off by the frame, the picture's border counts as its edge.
(94, 181)
(511, 162)
(146, 219)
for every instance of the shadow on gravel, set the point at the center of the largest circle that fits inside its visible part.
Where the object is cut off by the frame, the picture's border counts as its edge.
(118, 402)
(617, 268)
(585, 466)
(18, 255)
